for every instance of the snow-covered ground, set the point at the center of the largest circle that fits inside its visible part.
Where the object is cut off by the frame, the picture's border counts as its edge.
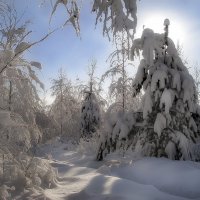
(83, 178)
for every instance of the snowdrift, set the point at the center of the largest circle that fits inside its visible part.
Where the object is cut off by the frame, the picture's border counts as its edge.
(117, 178)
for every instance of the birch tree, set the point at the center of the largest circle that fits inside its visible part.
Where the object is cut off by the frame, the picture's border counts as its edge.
(66, 106)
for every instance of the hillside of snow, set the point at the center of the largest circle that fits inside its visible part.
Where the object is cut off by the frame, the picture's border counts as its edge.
(117, 178)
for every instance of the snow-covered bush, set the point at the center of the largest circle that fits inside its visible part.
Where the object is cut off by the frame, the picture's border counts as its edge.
(14, 133)
(17, 169)
(25, 172)
(170, 115)
(115, 131)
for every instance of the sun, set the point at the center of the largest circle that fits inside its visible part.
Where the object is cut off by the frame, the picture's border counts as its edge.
(177, 30)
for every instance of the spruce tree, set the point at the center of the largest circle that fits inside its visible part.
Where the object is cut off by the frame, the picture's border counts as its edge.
(168, 124)
(90, 115)
(90, 111)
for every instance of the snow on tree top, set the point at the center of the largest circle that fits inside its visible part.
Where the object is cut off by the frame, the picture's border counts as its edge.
(166, 22)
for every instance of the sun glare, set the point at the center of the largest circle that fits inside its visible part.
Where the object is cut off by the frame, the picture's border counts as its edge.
(177, 31)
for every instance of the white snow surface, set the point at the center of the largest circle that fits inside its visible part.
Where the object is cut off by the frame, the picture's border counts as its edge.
(119, 178)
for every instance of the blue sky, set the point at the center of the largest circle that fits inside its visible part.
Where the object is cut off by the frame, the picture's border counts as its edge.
(64, 49)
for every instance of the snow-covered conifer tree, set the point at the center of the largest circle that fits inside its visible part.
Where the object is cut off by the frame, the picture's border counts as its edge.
(169, 122)
(90, 111)
(90, 115)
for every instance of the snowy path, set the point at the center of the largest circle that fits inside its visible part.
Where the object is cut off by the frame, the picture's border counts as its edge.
(82, 178)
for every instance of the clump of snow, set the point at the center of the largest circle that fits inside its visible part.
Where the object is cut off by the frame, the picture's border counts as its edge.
(21, 47)
(36, 64)
(188, 90)
(147, 40)
(183, 144)
(176, 82)
(115, 16)
(170, 150)
(135, 49)
(147, 103)
(160, 124)
(160, 77)
(166, 100)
